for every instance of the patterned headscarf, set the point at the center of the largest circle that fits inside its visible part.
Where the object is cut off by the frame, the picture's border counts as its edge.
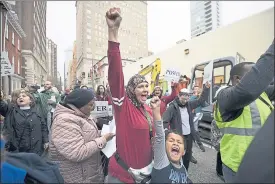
(130, 88)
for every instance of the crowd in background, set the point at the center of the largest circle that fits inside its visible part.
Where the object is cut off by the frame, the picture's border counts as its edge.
(49, 136)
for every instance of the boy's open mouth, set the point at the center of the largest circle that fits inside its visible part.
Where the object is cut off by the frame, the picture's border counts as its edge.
(175, 150)
(21, 101)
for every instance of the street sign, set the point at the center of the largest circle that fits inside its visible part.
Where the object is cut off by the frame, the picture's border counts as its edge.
(6, 67)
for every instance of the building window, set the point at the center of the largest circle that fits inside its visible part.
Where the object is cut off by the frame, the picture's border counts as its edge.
(18, 66)
(7, 32)
(12, 38)
(18, 44)
(12, 61)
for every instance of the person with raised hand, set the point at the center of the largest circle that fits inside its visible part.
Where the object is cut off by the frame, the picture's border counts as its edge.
(168, 151)
(133, 160)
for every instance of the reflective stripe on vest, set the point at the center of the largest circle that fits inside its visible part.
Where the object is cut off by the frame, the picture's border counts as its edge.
(256, 124)
(238, 133)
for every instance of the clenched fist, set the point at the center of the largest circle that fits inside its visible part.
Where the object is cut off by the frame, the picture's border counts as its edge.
(155, 102)
(113, 18)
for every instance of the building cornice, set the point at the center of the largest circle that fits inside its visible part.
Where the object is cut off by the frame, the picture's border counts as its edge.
(4, 5)
(13, 20)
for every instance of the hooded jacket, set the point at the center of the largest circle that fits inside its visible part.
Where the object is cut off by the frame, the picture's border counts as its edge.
(172, 117)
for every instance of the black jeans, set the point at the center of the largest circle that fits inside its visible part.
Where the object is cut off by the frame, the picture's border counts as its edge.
(219, 164)
(197, 138)
(188, 144)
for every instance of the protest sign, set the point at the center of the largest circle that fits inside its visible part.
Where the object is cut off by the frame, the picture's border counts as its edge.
(172, 75)
(102, 109)
(110, 147)
(208, 71)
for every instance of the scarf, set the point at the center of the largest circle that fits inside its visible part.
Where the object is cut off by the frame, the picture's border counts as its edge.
(130, 88)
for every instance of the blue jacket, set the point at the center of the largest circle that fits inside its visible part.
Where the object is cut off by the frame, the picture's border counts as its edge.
(12, 174)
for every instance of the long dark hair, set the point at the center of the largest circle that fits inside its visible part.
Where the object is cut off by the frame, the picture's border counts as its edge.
(98, 92)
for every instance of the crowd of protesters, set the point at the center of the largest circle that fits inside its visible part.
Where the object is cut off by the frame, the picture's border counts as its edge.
(51, 137)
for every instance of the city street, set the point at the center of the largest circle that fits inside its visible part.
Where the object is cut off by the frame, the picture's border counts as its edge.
(205, 170)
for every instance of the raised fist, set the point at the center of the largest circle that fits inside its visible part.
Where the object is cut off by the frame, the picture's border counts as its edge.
(113, 18)
(155, 102)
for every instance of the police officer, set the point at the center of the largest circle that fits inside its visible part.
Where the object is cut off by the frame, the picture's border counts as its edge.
(243, 108)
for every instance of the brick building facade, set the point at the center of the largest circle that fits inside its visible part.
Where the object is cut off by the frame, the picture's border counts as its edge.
(12, 35)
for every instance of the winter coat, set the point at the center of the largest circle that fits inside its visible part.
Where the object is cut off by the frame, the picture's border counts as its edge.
(172, 116)
(24, 132)
(31, 169)
(75, 145)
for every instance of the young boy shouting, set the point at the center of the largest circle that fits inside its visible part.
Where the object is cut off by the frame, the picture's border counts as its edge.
(168, 152)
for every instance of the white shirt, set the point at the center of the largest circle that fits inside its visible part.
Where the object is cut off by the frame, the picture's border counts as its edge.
(185, 121)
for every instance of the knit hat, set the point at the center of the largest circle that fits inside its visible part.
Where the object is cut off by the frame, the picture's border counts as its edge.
(130, 89)
(79, 97)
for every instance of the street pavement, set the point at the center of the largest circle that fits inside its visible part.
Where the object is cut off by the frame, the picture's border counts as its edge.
(205, 170)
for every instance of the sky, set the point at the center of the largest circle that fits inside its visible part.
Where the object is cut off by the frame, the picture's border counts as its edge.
(164, 18)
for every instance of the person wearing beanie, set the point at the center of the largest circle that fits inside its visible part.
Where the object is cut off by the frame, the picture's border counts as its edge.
(76, 141)
(81, 97)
